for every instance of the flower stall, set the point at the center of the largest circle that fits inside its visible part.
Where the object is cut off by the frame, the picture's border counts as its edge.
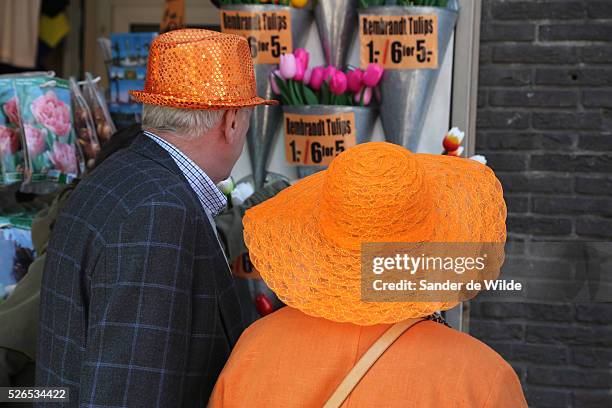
(416, 102)
(366, 70)
(345, 71)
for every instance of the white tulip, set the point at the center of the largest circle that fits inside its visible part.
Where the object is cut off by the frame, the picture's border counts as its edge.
(226, 186)
(241, 193)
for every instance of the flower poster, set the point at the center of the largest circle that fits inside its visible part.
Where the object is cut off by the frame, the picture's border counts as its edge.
(11, 155)
(44, 104)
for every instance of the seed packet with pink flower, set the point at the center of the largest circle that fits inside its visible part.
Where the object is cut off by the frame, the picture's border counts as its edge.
(84, 125)
(46, 118)
(12, 161)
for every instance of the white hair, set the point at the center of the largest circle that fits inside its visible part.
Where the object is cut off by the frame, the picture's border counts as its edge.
(184, 122)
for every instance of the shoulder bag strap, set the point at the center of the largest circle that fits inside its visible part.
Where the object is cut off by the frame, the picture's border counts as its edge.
(366, 361)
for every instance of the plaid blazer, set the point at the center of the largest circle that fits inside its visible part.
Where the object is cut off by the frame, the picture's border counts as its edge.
(138, 306)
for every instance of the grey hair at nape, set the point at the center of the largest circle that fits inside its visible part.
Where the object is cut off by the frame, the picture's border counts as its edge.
(185, 122)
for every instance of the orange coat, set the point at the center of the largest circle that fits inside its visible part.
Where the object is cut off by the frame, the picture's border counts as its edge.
(289, 359)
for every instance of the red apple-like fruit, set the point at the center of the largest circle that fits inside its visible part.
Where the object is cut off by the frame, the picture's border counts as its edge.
(263, 305)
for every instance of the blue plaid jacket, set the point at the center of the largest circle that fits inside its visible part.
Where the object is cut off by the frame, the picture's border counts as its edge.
(138, 307)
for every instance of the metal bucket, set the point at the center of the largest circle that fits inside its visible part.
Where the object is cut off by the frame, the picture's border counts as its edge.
(265, 119)
(336, 22)
(406, 93)
(260, 138)
(365, 119)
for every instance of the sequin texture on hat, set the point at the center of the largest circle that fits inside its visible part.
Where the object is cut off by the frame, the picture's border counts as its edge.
(200, 69)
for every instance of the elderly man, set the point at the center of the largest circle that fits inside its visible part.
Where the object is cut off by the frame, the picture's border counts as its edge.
(138, 306)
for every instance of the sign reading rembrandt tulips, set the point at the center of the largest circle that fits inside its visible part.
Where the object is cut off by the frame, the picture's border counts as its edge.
(268, 32)
(314, 140)
(399, 42)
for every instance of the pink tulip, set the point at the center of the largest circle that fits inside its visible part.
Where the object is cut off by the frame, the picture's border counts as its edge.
(274, 76)
(299, 72)
(63, 157)
(317, 77)
(354, 79)
(338, 83)
(52, 113)
(372, 75)
(9, 141)
(288, 66)
(11, 110)
(367, 96)
(330, 71)
(35, 139)
(307, 75)
(302, 56)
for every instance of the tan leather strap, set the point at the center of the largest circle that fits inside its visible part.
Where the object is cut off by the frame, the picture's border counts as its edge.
(366, 361)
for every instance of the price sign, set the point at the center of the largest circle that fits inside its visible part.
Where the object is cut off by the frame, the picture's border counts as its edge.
(399, 42)
(314, 140)
(268, 32)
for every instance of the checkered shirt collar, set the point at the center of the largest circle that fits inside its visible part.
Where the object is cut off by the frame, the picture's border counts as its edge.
(211, 198)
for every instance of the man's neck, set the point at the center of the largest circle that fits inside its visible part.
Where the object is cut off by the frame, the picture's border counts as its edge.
(197, 149)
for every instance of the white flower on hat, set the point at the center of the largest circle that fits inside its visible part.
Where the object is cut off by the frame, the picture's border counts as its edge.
(479, 158)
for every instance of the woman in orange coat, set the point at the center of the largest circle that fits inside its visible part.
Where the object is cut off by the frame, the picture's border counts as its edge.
(329, 347)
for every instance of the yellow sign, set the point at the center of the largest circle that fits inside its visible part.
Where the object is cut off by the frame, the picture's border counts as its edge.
(314, 140)
(268, 32)
(399, 42)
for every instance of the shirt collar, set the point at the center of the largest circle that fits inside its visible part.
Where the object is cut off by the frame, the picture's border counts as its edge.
(211, 198)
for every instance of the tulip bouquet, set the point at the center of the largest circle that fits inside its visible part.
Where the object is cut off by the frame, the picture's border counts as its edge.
(298, 84)
(422, 3)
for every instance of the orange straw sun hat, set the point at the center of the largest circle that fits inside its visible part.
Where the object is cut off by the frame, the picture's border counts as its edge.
(200, 69)
(306, 241)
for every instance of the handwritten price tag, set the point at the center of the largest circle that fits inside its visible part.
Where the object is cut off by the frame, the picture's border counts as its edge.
(314, 140)
(268, 32)
(399, 42)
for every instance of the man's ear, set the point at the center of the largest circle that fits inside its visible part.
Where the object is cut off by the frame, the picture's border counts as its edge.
(230, 124)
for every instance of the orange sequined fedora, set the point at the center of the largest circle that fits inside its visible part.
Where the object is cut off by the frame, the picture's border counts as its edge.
(306, 241)
(200, 69)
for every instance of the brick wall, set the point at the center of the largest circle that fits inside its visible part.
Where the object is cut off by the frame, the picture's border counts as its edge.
(544, 123)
